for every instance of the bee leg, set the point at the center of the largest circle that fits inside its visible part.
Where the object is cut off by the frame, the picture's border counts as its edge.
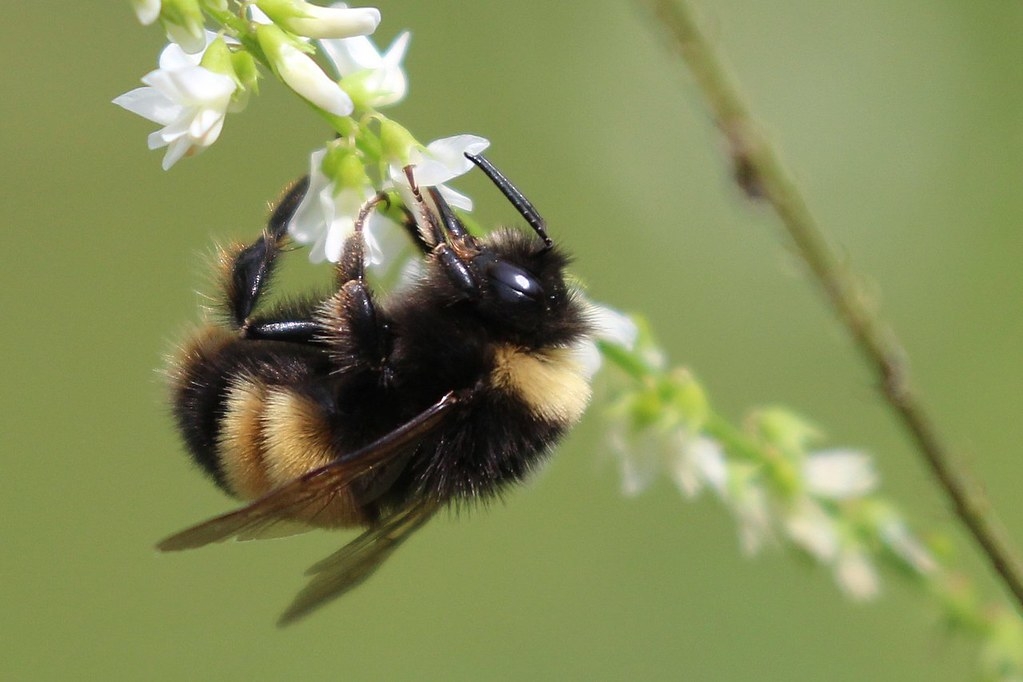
(247, 270)
(514, 196)
(293, 331)
(455, 227)
(253, 268)
(457, 268)
(412, 227)
(363, 334)
(352, 300)
(449, 257)
(352, 263)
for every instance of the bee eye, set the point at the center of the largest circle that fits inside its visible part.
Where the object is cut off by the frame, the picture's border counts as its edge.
(513, 284)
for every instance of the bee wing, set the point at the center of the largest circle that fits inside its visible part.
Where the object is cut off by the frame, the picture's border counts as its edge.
(316, 487)
(352, 564)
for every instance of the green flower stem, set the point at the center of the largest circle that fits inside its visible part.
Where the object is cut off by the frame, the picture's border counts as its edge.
(733, 439)
(760, 173)
(241, 29)
(634, 366)
(626, 361)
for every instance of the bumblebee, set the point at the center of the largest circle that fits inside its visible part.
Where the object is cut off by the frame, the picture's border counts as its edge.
(361, 411)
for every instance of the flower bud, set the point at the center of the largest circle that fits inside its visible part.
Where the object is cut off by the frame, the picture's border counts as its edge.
(238, 66)
(345, 167)
(313, 21)
(301, 73)
(147, 11)
(246, 75)
(397, 142)
(184, 24)
(687, 396)
(785, 430)
(217, 58)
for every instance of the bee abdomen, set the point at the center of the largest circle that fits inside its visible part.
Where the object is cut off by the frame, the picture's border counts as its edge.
(271, 435)
(248, 422)
(197, 386)
(239, 443)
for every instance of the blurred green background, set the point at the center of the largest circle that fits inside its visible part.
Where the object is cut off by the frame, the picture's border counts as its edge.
(903, 120)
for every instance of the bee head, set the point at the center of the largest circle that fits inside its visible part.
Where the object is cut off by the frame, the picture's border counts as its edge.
(520, 290)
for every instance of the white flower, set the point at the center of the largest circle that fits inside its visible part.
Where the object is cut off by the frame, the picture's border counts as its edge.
(856, 574)
(189, 100)
(379, 78)
(326, 217)
(698, 461)
(442, 161)
(331, 22)
(754, 517)
(810, 527)
(608, 325)
(839, 474)
(182, 20)
(313, 21)
(258, 16)
(147, 11)
(640, 456)
(613, 326)
(897, 537)
(188, 36)
(748, 501)
(304, 77)
(301, 73)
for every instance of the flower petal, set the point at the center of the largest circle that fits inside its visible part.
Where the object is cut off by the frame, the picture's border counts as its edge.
(334, 22)
(352, 55)
(176, 150)
(444, 159)
(856, 574)
(812, 529)
(149, 103)
(898, 538)
(839, 474)
(147, 11)
(613, 326)
(396, 52)
(708, 458)
(456, 199)
(307, 79)
(173, 57)
(190, 101)
(191, 37)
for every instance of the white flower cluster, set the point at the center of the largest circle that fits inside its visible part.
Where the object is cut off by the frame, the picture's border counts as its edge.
(821, 502)
(189, 100)
(327, 213)
(203, 76)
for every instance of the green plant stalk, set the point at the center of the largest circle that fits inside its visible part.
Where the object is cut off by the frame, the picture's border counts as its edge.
(761, 174)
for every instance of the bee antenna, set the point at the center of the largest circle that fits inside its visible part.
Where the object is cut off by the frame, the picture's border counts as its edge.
(514, 196)
(352, 263)
(367, 207)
